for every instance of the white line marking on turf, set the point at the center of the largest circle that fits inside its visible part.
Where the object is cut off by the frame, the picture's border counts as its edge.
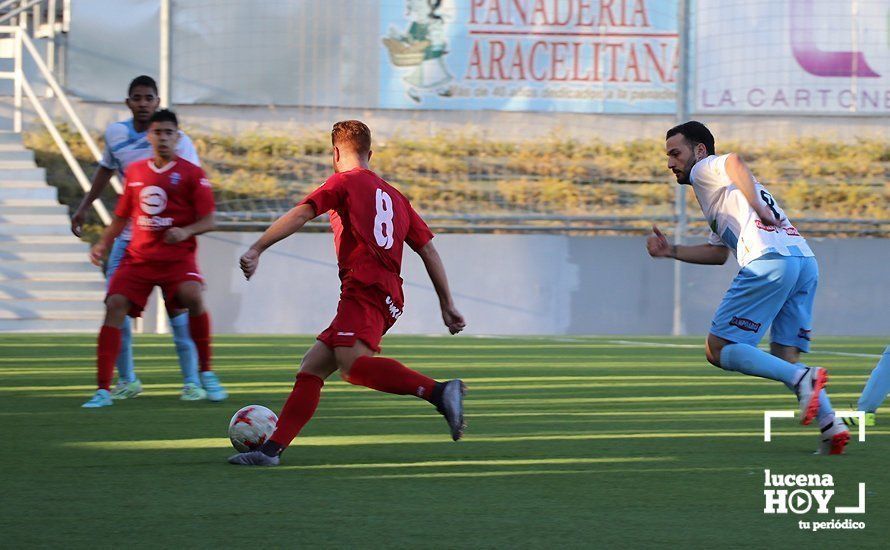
(767, 421)
(847, 354)
(654, 344)
(696, 346)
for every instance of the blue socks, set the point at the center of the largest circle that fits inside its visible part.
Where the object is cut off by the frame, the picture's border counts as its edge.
(185, 348)
(125, 369)
(754, 362)
(878, 385)
(826, 412)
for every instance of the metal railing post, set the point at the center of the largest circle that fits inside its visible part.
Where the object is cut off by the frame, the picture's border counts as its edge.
(684, 22)
(19, 77)
(164, 62)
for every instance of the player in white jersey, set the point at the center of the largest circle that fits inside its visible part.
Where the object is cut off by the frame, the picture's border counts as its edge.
(775, 287)
(127, 142)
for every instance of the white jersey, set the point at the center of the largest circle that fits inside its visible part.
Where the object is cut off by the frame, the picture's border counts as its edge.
(734, 223)
(124, 146)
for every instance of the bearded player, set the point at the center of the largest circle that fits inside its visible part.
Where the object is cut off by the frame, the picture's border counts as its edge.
(169, 201)
(775, 287)
(372, 222)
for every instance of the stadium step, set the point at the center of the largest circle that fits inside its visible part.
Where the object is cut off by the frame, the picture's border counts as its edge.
(41, 255)
(28, 266)
(47, 283)
(16, 229)
(50, 325)
(29, 289)
(50, 309)
(39, 209)
(54, 218)
(28, 192)
(62, 278)
(16, 155)
(11, 175)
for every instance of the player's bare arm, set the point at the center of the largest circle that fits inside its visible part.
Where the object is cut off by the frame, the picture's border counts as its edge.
(179, 234)
(436, 270)
(706, 254)
(97, 252)
(100, 182)
(284, 227)
(741, 176)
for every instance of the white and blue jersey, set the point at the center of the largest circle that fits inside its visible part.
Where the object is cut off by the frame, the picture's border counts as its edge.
(776, 285)
(733, 221)
(124, 146)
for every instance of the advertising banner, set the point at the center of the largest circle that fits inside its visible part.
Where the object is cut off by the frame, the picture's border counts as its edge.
(801, 56)
(588, 56)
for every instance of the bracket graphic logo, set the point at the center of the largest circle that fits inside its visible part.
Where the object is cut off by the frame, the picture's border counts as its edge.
(814, 60)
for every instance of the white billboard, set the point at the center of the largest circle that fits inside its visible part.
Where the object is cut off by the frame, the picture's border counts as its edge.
(801, 56)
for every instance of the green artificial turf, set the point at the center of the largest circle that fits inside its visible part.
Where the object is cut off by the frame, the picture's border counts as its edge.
(572, 442)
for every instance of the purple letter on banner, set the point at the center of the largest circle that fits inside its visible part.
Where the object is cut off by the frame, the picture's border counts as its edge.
(811, 58)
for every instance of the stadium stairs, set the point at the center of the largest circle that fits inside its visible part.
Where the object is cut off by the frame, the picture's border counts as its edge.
(47, 284)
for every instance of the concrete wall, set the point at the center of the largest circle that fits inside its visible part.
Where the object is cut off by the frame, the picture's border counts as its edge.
(530, 284)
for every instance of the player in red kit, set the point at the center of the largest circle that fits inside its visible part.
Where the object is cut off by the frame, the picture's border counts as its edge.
(372, 222)
(169, 201)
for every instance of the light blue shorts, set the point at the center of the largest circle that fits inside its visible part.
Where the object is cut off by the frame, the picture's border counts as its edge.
(115, 257)
(773, 290)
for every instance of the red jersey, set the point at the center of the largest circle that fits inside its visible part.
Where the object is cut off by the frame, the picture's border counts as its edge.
(156, 199)
(371, 221)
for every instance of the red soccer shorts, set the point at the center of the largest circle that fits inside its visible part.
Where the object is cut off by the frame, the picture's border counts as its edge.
(364, 313)
(135, 281)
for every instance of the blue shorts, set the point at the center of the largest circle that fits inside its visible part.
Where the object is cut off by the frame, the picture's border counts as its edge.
(115, 257)
(773, 290)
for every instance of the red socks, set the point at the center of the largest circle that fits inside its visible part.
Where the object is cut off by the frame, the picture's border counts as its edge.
(377, 373)
(199, 327)
(390, 376)
(297, 411)
(106, 354)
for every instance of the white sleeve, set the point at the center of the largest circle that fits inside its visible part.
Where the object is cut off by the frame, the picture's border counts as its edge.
(710, 173)
(186, 149)
(715, 240)
(112, 138)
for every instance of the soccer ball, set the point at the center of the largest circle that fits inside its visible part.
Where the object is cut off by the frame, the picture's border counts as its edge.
(251, 427)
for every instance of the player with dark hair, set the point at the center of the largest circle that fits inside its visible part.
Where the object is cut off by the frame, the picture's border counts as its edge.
(125, 143)
(775, 287)
(167, 201)
(372, 221)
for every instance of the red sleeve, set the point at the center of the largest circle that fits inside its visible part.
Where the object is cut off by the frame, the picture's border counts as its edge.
(203, 195)
(123, 210)
(418, 232)
(329, 196)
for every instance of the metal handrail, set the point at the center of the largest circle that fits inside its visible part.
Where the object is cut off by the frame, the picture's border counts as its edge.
(66, 104)
(21, 84)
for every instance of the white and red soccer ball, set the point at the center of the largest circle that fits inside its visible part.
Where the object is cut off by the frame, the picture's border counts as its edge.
(251, 427)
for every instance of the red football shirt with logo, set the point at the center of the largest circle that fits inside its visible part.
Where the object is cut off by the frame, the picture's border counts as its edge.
(372, 221)
(156, 199)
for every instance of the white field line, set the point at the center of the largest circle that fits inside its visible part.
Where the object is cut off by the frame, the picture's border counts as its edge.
(697, 346)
